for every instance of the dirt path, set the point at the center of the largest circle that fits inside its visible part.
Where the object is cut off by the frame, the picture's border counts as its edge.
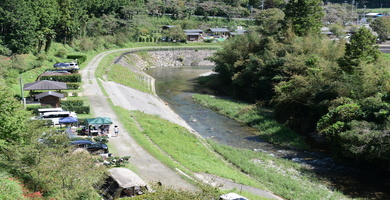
(148, 167)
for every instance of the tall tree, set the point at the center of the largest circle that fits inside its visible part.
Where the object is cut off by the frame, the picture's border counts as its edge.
(381, 25)
(269, 20)
(304, 16)
(18, 25)
(47, 14)
(360, 49)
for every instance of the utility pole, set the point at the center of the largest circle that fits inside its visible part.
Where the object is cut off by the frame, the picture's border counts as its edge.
(22, 93)
(352, 17)
(262, 4)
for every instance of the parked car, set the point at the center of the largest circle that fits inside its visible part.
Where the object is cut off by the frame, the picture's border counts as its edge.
(92, 147)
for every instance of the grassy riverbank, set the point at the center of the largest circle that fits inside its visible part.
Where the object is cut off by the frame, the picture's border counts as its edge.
(255, 116)
(178, 148)
(181, 149)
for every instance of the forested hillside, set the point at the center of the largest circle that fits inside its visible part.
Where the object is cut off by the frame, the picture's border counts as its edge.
(336, 89)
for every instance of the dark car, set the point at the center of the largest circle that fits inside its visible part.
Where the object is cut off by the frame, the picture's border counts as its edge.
(91, 147)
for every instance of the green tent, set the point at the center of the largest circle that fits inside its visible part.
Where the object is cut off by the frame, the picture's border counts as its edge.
(99, 121)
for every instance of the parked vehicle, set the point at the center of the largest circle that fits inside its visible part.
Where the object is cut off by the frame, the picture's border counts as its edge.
(232, 196)
(122, 183)
(92, 147)
(72, 66)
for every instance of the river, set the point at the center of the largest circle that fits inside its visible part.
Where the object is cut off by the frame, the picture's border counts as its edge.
(176, 86)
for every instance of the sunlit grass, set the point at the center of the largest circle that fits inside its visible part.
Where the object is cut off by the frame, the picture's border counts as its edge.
(176, 147)
(125, 76)
(260, 118)
(283, 177)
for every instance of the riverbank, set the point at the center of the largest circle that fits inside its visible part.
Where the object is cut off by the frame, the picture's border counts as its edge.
(131, 126)
(278, 182)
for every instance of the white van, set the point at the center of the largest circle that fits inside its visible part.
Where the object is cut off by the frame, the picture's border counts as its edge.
(56, 116)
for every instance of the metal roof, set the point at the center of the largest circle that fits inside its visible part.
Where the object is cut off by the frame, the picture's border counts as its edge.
(45, 85)
(50, 93)
(194, 31)
(190, 34)
(218, 30)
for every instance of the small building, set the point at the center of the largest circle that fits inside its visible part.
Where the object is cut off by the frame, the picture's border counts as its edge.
(193, 34)
(218, 31)
(50, 98)
(374, 15)
(167, 27)
(237, 32)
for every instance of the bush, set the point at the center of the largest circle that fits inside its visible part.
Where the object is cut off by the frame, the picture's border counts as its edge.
(10, 189)
(62, 78)
(72, 103)
(73, 86)
(61, 53)
(80, 58)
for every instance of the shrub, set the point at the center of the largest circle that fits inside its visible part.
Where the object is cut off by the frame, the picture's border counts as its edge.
(80, 58)
(73, 86)
(72, 103)
(61, 53)
(63, 78)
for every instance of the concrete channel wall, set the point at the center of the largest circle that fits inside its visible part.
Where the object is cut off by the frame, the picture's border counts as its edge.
(170, 57)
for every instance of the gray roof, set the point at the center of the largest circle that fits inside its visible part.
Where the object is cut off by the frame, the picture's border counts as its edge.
(238, 32)
(219, 30)
(45, 85)
(168, 26)
(50, 93)
(194, 31)
(191, 34)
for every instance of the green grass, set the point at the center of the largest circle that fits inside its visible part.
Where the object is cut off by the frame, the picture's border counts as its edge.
(386, 56)
(10, 188)
(260, 118)
(289, 180)
(170, 143)
(125, 76)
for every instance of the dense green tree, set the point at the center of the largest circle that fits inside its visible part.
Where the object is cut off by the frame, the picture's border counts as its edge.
(47, 14)
(304, 16)
(309, 79)
(176, 34)
(381, 25)
(269, 21)
(248, 66)
(360, 49)
(18, 25)
(13, 119)
(359, 129)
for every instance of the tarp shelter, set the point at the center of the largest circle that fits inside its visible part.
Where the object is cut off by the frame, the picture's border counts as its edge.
(68, 120)
(126, 178)
(99, 121)
(122, 183)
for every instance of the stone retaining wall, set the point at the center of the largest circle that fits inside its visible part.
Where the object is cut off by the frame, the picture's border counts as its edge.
(172, 58)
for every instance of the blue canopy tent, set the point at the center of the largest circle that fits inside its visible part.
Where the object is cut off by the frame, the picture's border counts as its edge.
(68, 120)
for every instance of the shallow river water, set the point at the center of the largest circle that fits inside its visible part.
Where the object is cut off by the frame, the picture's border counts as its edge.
(176, 87)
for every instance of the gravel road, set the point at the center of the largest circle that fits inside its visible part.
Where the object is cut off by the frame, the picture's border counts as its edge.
(147, 167)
